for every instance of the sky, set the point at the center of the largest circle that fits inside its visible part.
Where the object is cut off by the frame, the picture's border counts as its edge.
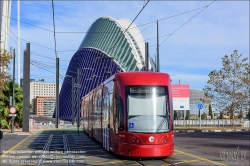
(198, 40)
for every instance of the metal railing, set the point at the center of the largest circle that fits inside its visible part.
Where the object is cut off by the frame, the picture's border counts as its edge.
(215, 122)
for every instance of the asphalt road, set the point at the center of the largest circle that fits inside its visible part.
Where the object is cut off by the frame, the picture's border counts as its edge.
(9, 140)
(191, 149)
(230, 147)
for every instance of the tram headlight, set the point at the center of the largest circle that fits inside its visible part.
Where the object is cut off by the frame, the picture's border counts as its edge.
(164, 141)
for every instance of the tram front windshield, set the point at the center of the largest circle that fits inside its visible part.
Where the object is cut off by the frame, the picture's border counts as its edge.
(147, 108)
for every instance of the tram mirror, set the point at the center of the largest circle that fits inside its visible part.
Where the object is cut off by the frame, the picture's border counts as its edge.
(1, 134)
(121, 128)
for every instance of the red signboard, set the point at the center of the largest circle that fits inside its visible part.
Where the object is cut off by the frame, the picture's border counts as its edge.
(180, 91)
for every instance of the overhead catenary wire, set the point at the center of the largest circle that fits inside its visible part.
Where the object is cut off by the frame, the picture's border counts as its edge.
(153, 22)
(47, 66)
(37, 64)
(36, 54)
(185, 23)
(136, 41)
(9, 35)
(12, 33)
(38, 44)
(104, 31)
(43, 62)
(23, 48)
(128, 27)
(54, 26)
(42, 68)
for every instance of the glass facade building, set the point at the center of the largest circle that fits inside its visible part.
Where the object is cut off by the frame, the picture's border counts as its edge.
(195, 98)
(108, 47)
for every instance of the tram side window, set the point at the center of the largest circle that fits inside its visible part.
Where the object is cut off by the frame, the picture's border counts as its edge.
(119, 112)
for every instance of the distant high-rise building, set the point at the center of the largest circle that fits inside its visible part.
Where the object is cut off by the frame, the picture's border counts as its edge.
(5, 10)
(44, 105)
(41, 88)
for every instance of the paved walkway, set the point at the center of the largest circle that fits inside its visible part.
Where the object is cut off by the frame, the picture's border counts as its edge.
(176, 129)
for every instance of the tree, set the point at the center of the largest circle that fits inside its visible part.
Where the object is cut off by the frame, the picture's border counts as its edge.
(240, 116)
(5, 103)
(204, 116)
(210, 111)
(248, 115)
(187, 115)
(175, 115)
(221, 115)
(4, 76)
(228, 87)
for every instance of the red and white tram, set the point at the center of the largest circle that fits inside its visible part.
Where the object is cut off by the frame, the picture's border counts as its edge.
(131, 114)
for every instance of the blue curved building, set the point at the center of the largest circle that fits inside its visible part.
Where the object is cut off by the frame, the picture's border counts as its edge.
(107, 48)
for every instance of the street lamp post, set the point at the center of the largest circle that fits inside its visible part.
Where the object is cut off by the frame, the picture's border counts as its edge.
(72, 101)
(78, 99)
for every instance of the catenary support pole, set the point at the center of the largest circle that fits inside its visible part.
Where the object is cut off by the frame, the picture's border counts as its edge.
(78, 99)
(57, 92)
(26, 88)
(13, 81)
(18, 44)
(158, 56)
(73, 100)
(146, 56)
(13, 87)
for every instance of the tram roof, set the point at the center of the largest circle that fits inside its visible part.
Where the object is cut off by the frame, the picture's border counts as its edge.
(143, 78)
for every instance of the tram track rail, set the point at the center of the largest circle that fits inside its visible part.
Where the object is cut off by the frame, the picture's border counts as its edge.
(153, 162)
(58, 145)
(67, 150)
(45, 149)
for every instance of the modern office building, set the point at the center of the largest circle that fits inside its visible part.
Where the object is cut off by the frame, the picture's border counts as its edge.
(108, 47)
(196, 97)
(44, 105)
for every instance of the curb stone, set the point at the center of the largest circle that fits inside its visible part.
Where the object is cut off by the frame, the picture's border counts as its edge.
(211, 130)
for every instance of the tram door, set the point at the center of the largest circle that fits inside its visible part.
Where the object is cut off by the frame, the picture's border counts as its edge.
(90, 119)
(106, 119)
(110, 119)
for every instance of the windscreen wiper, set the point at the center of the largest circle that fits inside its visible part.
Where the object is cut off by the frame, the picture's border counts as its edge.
(162, 122)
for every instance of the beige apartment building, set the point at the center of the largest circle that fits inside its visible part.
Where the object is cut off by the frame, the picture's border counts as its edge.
(41, 88)
(43, 97)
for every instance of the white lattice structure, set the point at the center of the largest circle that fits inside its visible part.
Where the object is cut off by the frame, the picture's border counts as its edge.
(5, 10)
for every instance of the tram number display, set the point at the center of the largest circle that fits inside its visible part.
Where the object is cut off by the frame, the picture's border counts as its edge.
(146, 89)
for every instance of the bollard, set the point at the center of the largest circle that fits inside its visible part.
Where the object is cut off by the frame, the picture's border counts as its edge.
(1, 134)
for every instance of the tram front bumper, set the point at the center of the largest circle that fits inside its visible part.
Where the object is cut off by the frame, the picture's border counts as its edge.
(162, 150)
